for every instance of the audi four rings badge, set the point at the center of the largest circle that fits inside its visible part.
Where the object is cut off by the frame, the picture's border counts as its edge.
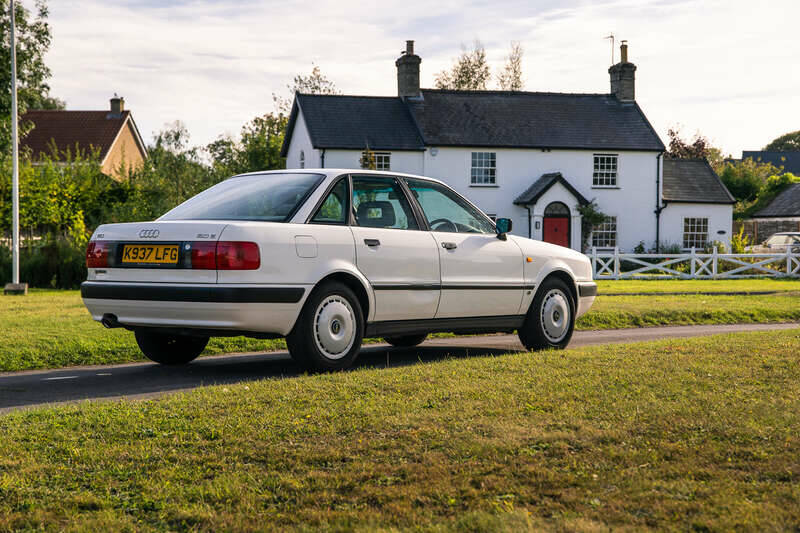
(148, 234)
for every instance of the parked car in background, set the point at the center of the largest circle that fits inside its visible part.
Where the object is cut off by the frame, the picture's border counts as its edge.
(325, 258)
(779, 242)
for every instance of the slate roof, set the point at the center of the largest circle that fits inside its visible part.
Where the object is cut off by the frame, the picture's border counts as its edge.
(97, 129)
(540, 186)
(693, 181)
(352, 122)
(532, 120)
(786, 204)
(498, 119)
(790, 161)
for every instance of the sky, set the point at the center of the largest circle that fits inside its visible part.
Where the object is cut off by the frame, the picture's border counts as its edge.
(728, 69)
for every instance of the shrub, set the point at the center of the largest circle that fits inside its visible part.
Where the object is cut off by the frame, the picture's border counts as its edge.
(58, 264)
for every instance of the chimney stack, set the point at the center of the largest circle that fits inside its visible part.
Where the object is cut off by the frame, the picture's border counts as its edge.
(408, 73)
(623, 76)
(117, 105)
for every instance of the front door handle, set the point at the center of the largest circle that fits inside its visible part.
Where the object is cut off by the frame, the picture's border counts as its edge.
(372, 242)
(449, 245)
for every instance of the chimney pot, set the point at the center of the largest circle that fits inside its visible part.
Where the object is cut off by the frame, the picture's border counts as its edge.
(408, 73)
(623, 52)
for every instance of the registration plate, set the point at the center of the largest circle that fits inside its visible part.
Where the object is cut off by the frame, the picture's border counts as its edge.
(150, 254)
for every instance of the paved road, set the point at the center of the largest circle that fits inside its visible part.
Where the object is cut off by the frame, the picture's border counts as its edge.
(142, 380)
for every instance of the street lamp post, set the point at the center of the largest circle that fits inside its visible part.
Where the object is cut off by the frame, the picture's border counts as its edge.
(15, 287)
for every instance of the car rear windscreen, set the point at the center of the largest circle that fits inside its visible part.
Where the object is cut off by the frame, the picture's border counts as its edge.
(260, 197)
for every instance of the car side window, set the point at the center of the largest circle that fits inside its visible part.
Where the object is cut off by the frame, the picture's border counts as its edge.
(379, 202)
(446, 211)
(334, 208)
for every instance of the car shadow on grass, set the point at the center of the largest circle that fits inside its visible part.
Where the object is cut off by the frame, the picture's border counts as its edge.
(142, 379)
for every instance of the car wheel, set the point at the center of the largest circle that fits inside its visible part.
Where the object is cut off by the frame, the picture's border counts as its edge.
(328, 333)
(170, 349)
(406, 341)
(551, 317)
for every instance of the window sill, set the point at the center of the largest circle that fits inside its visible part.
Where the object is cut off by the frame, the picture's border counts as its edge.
(484, 186)
(606, 187)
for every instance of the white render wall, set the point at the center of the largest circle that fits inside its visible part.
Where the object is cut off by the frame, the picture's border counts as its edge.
(400, 161)
(633, 202)
(720, 218)
(301, 141)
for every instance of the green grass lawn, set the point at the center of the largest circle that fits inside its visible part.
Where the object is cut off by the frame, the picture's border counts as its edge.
(699, 285)
(51, 329)
(692, 434)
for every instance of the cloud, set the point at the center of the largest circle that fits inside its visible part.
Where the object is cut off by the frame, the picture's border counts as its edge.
(720, 67)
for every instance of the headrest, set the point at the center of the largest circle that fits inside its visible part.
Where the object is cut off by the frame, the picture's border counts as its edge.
(378, 214)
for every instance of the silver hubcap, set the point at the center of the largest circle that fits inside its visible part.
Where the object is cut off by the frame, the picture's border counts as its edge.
(334, 327)
(555, 315)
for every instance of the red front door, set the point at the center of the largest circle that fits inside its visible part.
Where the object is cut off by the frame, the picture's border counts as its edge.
(556, 230)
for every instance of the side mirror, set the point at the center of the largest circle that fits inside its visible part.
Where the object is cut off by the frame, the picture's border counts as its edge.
(503, 226)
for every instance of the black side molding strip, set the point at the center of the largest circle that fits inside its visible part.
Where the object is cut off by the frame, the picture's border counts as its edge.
(587, 289)
(191, 293)
(437, 286)
(406, 287)
(478, 324)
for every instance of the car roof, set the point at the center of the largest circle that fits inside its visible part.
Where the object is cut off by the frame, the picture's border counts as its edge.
(333, 172)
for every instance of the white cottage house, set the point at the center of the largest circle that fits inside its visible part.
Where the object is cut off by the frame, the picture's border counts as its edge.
(530, 156)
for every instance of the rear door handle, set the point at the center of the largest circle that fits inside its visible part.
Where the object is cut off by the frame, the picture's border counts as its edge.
(372, 242)
(449, 245)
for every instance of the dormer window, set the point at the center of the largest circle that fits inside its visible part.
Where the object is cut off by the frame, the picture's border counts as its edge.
(605, 170)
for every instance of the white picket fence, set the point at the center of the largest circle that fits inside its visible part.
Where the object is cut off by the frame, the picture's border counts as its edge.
(607, 265)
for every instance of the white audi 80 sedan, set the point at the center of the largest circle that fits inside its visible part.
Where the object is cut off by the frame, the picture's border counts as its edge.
(325, 258)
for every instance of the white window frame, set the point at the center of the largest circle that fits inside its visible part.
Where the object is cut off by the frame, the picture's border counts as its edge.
(601, 232)
(383, 160)
(693, 235)
(302, 159)
(605, 171)
(483, 169)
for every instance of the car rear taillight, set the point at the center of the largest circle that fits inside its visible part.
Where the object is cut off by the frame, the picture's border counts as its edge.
(225, 256)
(238, 256)
(204, 255)
(97, 254)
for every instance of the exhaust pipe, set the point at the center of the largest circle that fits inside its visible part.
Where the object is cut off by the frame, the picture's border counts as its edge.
(110, 321)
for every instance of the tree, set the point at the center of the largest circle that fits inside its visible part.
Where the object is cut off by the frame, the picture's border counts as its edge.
(33, 40)
(747, 179)
(469, 73)
(258, 148)
(699, 148)
(785, 143)
(510, 79)
(313, 83)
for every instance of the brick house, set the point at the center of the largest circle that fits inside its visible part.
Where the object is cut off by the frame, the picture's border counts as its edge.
(112, 133)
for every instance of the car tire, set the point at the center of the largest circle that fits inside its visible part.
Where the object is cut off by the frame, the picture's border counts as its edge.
(406, 341)
(169, 349)
(328, 333)
(546, 325)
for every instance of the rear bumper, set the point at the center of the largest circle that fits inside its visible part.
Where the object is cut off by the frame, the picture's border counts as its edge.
(253, 308)
(190, 293)
(587, 291)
